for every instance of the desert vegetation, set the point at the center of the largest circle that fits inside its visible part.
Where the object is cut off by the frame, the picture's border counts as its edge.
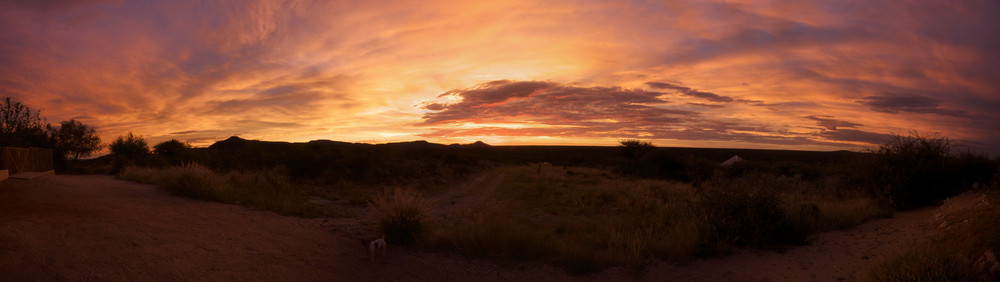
(586, 219)
(965, 249)
(263, 189)
(580, 208)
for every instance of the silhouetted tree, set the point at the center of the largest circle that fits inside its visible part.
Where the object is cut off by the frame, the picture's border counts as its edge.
(74, 137)
(172, 147)
(173, 150)
(20, 126)
(129, 146)
(128, 150)
(634, 148)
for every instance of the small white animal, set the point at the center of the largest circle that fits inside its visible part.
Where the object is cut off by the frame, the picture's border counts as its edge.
(378, 245)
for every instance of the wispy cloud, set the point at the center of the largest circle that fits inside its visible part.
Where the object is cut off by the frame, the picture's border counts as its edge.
(803, 74)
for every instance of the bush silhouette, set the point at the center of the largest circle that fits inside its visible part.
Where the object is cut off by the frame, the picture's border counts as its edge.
(912, 171)
(129, 145)
(403, 215)
(745, 216)
(128, 150)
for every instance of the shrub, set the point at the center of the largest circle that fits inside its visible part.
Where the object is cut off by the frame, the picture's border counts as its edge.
(196, 182)
(634, 148)
(403, 216)
(744, 216)
(128, 150)
(140, 174)
(129, 145)
(912, 171)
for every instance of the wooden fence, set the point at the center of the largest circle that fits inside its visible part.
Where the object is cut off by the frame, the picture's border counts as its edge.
(18, 160)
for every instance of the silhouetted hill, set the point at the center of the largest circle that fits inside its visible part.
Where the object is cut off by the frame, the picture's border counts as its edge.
(325, 142)
(236, 143)
(232, 143)
(413, 145)
(422, 161)
(559, 155)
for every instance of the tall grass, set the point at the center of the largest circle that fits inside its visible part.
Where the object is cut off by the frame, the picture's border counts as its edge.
(265, 189)
(584, 220)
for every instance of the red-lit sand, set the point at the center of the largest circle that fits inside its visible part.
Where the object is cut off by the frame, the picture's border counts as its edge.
(68, 227)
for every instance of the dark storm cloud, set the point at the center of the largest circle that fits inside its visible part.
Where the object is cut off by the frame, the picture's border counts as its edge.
(288, 103)
(895, 103)
(696, 132)
(691, 92)
(854, 135)
(703, 105)
(552, 103)
(588, 112)
(760, 33)
(831, 124)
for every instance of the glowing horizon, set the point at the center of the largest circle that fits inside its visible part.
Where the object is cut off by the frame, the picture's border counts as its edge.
(732, 74)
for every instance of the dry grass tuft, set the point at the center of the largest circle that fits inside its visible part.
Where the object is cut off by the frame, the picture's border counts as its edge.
(403, 215)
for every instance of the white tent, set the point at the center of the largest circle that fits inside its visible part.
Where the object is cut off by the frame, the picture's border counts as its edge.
(733, 160)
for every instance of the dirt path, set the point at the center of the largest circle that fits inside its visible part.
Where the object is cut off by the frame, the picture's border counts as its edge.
(846, 255)
(68, 227)
(833, 256)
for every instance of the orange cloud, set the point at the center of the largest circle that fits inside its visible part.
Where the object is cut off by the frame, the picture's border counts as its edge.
(804, 74)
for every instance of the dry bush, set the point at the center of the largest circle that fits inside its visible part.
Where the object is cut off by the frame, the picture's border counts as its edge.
(402, 215)
(579, 219)
(583, 220)
(197, 182)
(140, 174)
(744, 216)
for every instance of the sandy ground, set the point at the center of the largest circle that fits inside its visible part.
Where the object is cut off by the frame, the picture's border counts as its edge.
(93, 227)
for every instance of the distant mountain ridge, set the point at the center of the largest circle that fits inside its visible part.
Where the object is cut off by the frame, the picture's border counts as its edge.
(236, 143)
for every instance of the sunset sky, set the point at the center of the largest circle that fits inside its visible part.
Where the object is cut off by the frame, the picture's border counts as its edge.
(812, 75)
